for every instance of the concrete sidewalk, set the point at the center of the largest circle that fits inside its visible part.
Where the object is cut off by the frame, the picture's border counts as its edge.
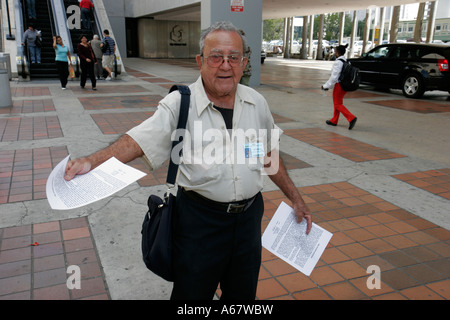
(382, 189)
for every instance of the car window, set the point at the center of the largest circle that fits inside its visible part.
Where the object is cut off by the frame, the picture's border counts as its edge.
(429, 53)
(379, 53)
(396, 52)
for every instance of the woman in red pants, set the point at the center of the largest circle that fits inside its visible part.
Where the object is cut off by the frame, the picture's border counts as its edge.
(338, 92)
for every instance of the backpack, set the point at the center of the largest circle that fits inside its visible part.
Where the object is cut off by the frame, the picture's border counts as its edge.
(105, 46)
(349, 78)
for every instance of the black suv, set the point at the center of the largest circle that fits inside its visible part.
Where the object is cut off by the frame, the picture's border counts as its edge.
(412, 67)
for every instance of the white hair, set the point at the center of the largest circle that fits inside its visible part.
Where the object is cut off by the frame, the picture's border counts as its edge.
(223, 26)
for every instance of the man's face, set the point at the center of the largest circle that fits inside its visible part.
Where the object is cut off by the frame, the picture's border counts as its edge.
(222, 80)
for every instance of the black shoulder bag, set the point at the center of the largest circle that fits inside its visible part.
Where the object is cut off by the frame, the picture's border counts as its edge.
(157, 225)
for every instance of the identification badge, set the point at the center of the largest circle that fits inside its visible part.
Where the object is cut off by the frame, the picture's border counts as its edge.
(254, 150)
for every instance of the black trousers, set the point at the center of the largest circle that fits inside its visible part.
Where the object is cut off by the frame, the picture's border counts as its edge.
(212, 247)
(87, 68)
(63, 72)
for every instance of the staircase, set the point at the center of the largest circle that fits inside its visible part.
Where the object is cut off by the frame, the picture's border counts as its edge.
(44, 23)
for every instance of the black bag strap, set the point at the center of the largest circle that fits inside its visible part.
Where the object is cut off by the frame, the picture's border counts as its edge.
(182, 120)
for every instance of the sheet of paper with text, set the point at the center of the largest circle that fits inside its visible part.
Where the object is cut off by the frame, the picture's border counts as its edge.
(287, 239)
(103, 181)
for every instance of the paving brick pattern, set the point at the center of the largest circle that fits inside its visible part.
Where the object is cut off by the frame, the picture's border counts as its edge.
(414, 106)
(413, 253)
(24, 173)
(29, 91)
(343, 146)
(120, 102)
(119, 123)
(29, 128)
(107, 89)
(35, 261)
(434, 181)
(29, 106)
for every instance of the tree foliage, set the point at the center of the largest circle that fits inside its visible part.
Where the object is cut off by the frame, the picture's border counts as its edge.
(273, 29)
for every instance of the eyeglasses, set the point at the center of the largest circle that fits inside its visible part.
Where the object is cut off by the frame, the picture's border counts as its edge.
(216, 60)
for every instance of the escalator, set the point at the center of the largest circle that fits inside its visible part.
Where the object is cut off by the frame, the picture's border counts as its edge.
(52, 19)
(45, 23)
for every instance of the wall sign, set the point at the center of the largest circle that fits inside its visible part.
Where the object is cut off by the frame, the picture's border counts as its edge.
(177, 36)
(237, 5)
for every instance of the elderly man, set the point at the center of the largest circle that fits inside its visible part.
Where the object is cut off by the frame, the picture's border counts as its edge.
(217, 221)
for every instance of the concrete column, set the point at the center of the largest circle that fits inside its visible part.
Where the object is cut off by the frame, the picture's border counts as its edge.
(287, 38)
(353, 35)
(249, 20)
(375, 23)
(394, 24)
(341, 27)
(366, 30)
(311, 36)
(431, 22)
(382, 22)
(319, 55)
(304, 54)
(419, 20)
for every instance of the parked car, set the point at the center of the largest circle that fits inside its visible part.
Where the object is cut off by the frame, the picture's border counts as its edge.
(358, 45)
(412, 67)
(277, 46)
(263, 55)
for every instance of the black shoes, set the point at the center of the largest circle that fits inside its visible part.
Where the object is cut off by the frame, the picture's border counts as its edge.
(352, 123)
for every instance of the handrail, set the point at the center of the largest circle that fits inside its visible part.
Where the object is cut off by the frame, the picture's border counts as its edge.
(23, 5)
(9, 36)
(52, 19)
(19, 11)
(98, 28)
(60, 15)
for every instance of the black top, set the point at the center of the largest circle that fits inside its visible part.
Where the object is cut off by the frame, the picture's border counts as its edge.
(227, 115)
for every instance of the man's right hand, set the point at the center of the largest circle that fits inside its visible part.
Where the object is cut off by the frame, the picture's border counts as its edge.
(77, 167)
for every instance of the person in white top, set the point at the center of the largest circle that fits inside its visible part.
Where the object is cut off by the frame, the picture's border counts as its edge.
(338, 92)
(230, 138)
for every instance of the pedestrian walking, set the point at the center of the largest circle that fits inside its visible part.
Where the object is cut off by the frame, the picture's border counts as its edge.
(32, 40)
(108, 46)
(87, 62)
(98, 67)
(338, 92)
(31, 9)
(86, 7)
(62, 60)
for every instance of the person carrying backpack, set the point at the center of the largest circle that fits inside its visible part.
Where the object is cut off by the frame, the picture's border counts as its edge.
(338, 92)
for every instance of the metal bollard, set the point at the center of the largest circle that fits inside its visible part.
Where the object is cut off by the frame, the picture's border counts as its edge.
(5, 60)
(5, 91)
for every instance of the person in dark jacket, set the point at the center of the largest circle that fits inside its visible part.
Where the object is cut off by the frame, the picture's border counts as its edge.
(87, 62)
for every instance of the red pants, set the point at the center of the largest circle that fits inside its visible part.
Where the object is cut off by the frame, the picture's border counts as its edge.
(338, 100)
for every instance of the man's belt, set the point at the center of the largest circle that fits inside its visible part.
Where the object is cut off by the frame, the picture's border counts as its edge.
(228, 207)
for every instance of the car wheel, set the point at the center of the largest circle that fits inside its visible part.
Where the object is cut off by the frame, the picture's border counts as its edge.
(413, 86)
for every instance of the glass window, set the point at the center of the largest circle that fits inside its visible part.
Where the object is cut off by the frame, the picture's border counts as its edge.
(380, 52)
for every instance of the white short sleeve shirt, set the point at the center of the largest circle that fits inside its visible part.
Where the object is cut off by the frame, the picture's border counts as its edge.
(222, 165)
